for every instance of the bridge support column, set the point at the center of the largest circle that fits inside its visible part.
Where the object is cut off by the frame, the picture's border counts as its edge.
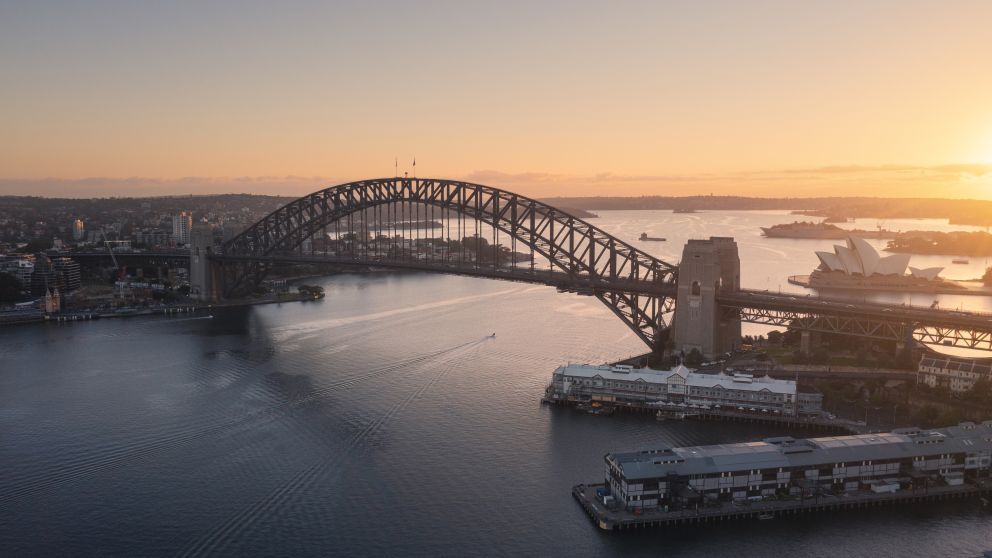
(202, 272)
(708, 267)
(804, 342)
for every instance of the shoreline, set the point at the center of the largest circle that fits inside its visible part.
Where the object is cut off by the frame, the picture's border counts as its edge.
(186, 308)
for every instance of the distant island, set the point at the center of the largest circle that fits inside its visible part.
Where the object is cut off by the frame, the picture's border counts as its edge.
(824, 230)
(958, 243)
(580, 213)
(956, 211)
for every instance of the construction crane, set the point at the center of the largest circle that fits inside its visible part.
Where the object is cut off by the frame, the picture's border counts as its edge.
(121, 271)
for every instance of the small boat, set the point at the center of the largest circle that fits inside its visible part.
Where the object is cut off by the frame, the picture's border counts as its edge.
(644, 237)
(765, 516)
(493, 334)
(960, 261)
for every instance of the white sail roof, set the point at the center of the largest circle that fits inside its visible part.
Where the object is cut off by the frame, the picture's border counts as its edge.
(830, 261)
(859, 257)
(929, 273)
(850, 259)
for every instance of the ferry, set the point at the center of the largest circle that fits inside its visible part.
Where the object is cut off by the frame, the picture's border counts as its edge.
(960, 261)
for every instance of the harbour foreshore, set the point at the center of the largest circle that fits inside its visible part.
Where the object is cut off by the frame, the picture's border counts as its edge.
(21, 318)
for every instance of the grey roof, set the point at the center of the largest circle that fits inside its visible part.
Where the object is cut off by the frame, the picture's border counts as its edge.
(788, 452)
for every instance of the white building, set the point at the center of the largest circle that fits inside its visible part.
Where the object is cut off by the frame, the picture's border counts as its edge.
(182, 224)
(957, 374)
(681, 385)
(860, 258)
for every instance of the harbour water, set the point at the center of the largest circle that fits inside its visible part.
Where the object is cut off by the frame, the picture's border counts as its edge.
(381, 421)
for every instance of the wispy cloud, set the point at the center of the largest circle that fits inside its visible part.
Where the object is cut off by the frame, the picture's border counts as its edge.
(954, 181)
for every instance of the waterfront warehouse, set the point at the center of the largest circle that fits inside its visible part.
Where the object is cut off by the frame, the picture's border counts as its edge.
(624, 384)
(781, 468)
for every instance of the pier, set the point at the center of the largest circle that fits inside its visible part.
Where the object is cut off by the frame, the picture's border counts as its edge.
(818, 423)
(621, 520)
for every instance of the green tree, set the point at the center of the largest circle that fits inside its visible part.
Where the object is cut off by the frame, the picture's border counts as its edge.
(950, 417)
(820, 356)
(927, 415)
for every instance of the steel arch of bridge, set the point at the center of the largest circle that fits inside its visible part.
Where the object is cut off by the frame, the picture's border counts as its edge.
(636, 286)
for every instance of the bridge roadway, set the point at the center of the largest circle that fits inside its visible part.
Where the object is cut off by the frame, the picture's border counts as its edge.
(892, 322)
(876, 320)
(564, 281)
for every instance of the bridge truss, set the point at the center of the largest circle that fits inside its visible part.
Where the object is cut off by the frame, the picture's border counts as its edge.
(407, 223)
(869, 325)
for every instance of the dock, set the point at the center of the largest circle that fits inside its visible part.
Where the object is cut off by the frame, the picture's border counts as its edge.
(621, 519)
(671, 412)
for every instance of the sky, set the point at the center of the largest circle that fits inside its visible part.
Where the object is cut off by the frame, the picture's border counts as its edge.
(546, 98)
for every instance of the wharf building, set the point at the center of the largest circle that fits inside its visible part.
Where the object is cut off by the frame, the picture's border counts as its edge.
(904, 459)
(957, 374)
(625, 385)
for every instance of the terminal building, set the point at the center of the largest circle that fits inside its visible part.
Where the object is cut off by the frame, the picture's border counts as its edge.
(626, 385)
(906, 458)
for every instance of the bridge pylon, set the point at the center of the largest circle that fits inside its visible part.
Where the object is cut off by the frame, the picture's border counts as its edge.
(708, 268)
(202, 272)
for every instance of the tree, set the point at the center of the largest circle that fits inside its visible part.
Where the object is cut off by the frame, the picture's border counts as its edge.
(775, 337)
(927, 415)
(820, 356)
(981, 392)
(987, 278)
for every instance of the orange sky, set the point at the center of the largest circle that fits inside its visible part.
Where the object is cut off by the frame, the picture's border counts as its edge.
(562, 98)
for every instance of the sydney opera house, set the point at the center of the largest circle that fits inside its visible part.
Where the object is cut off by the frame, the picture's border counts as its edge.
(859, 265)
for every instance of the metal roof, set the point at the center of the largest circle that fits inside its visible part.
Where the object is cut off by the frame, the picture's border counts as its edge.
(692, 378)
(788, 452)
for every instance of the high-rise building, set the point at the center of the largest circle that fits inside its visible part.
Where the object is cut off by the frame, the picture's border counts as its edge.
(21, 268)
(182, 224)
(78, 230)
(67, 275)
(43, 277)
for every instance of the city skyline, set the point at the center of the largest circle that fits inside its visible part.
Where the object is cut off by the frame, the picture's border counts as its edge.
(559, 99)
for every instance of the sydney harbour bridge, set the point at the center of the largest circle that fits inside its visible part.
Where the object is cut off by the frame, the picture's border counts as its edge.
(455, 227)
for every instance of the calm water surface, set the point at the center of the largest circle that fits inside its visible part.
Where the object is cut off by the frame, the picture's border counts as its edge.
(381, 421)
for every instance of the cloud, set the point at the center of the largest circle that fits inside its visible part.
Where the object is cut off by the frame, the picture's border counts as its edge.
(952, 180)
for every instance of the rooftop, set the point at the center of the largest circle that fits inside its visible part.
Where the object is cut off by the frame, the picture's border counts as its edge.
(790, 452)
(742, 382)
